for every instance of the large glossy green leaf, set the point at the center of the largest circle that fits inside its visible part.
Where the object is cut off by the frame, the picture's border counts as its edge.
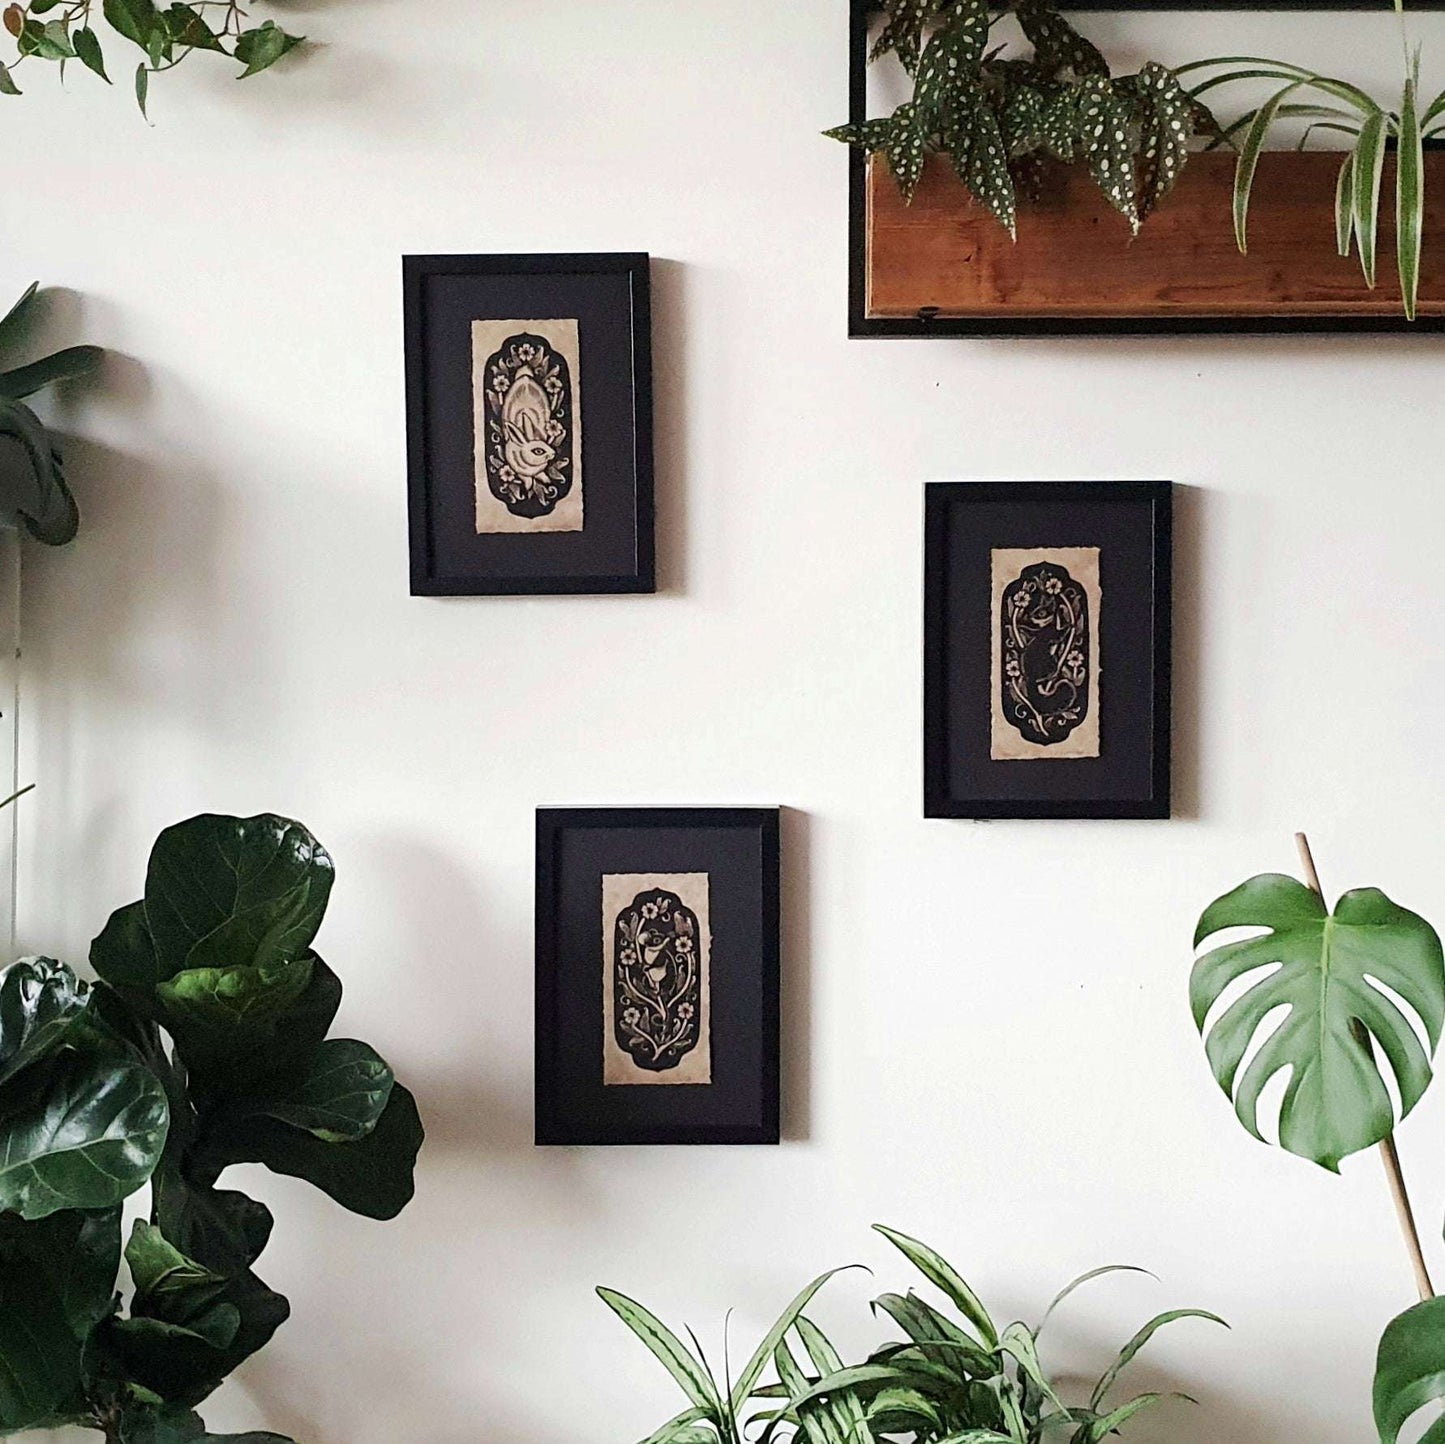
(18, 316)
(223, 892)
(65, 365)
(341, 1095)
(124, 955)
(1410, 1372)
(79, 1131)
(172, 1289)
(172, 1424)
(57, 1281)
(213, 1013)
(939, 1272)
(221, 1228)
(41, 1002)
(372, 1177)
(32, 479)
(183, 1364)
(1336, 1101)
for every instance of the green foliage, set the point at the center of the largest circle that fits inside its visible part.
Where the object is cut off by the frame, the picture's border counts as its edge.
(996, 117)
(1410, 1372)
(1337, 107)
(950, 1381)
(63, 30)
(1319, 965)
(32, 479)
(1328, 972)
(202, 1045)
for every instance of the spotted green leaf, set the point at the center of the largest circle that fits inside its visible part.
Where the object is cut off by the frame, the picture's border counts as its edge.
(1165, 133)
(1104, 127)
(907, 148)
(1058, 45)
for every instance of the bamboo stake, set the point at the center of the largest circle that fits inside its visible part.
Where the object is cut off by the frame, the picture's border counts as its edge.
(1389, 1154)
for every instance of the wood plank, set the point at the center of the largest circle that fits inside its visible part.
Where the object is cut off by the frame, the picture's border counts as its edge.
(1074, 256)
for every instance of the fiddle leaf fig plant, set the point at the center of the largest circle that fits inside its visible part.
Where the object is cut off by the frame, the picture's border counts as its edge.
(953, 1380)
(71, 30)
(1340, 977)
(203, 1044)
(997, 116)
(33, 490)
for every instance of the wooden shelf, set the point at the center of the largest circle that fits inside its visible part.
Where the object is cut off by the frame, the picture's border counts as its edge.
(944, 266)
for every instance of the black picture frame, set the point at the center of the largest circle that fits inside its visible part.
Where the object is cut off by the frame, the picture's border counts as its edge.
(862, 326)
(738, 848)
(1130, 523)
(609, 294)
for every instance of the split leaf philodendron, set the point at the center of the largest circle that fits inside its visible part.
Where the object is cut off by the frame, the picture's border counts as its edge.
(950, 1380)
(204, 1044)
(998, 116)
(1321, 993)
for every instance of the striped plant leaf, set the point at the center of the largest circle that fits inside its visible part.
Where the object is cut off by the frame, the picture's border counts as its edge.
(1018, 1342)
(790, 1316)
(1368, 171)
(1086, 1278)
(669, 1351)
(1344, 204)
(1249, 159)
(939, 1272)
(1410, 193)
(1127, 1353)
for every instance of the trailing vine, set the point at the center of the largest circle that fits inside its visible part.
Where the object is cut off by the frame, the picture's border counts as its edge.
(66, 30)
(998, 116)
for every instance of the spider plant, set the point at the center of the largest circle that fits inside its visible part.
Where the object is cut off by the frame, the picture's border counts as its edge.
(963, 1381)
(1329, 104)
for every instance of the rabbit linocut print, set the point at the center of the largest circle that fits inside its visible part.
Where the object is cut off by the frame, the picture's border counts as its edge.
(526, 389)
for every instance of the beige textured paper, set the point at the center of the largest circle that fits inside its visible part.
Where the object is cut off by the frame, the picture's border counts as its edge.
(659, 940)
(1007, 743)
(489, 338)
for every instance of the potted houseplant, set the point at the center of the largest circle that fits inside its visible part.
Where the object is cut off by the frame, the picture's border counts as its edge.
(1308, 1001)
(203, 1044)
(954, 1378)
(1037, 224)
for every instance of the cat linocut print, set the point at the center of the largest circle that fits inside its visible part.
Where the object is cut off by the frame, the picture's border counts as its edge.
(1045, 653)
(655, 985)
(527, 425)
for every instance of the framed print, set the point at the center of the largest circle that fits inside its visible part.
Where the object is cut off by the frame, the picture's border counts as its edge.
(1046, 682)
(529, 424)
(657, 975)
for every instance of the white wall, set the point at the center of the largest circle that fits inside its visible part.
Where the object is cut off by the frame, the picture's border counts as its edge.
(987, 1041)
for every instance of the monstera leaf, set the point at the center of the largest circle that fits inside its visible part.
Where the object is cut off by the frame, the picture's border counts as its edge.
(79, 1131)
(1323, 969)
(41, 1001)
(1410, 1372)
